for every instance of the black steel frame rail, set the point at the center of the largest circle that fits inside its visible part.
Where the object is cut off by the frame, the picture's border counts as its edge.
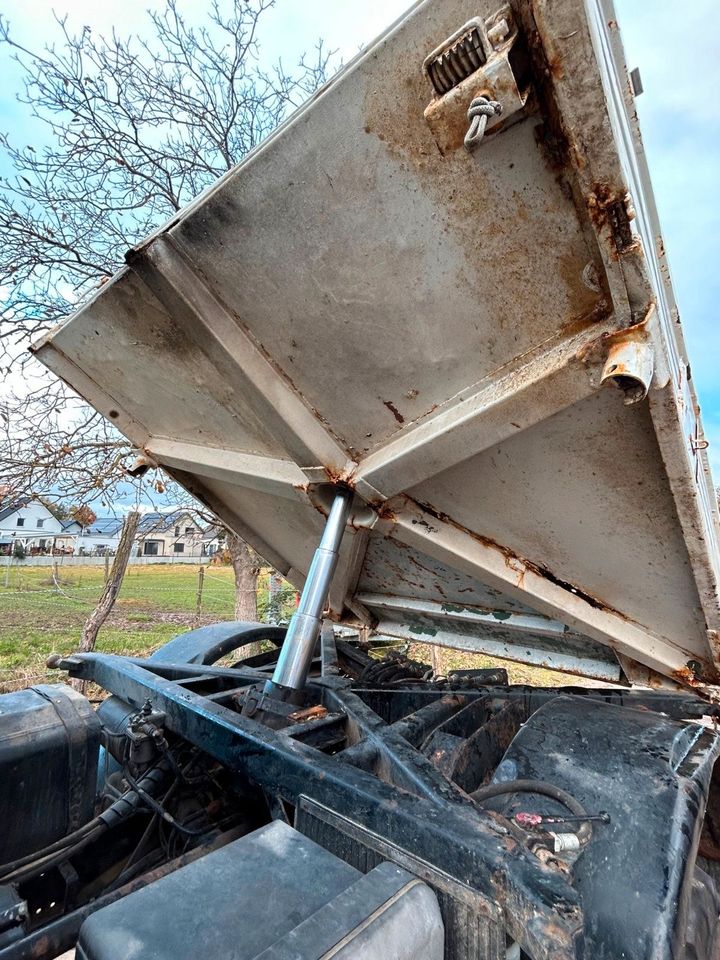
(541, 909)
(420, 811)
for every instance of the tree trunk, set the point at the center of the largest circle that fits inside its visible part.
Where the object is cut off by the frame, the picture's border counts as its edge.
(246, 569)
(111, 589)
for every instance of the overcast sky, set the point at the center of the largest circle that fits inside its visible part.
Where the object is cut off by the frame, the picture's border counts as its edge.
(677, 48)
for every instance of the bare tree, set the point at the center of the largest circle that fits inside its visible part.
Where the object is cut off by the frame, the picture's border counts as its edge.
(129, 130)
(134, 130)
(246, 567)
(112, 587)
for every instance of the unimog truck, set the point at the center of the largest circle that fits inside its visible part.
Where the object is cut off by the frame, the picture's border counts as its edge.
(421, 350)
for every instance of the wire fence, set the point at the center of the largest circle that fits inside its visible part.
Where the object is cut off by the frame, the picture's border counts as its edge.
(199, 587)
(209, 594)
(43, 609)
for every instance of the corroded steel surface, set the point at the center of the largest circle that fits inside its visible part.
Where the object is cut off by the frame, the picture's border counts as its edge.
(365, 300)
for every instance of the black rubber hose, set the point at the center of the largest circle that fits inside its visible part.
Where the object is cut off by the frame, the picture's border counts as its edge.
(162, 812)
(545, 789)
(392, 671)
(122, 808)
(47, 862)
(52, 848)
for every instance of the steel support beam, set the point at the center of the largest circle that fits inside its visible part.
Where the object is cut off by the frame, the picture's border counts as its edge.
(524, 637)
(411, 770)
(236, 356)
(499, 568)
(683, 451)
(281, 478)
(530, 391)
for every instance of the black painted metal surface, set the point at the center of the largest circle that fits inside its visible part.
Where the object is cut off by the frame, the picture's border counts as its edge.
(395, 759)
(651, 774)
(49, 739)
(542, 909)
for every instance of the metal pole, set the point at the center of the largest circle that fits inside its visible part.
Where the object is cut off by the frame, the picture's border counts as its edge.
(299, 646)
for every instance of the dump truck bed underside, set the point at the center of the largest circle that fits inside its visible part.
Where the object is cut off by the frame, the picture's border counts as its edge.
(452, 332)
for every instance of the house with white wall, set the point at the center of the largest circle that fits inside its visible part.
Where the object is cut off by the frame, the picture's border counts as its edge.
(99, 538)
(213, 540)
(172, 534)
(30, 523)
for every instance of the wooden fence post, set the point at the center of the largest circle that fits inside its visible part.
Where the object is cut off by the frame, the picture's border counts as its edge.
(201, 580)
(435, 660)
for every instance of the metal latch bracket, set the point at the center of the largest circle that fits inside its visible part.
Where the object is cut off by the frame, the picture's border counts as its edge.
(475, 62)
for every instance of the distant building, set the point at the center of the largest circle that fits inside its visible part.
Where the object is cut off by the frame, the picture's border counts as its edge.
(30, 524)
(213, 540)
(169, 534)
(99, 538)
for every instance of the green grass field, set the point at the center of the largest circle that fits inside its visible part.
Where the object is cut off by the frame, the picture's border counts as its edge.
(157, 602)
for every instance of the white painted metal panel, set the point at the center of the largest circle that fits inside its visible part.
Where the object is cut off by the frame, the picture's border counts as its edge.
(364, 300)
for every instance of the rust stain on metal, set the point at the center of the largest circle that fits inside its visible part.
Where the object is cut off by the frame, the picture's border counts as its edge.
(478, 211)
(447, 115)
(559, 930)
(519, 564)
(696, 674)
(612, 208)
(546, 67)
(687, 674)
(309, 713)
(594, 305)
(684, 676)
(713, 637)
(595, 351)
(394, 411)
(336, 476)
(555, 66)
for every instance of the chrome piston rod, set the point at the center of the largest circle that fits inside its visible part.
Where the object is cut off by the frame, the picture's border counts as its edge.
(299, 647)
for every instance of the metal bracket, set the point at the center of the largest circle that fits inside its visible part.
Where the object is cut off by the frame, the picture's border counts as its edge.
(475, 62)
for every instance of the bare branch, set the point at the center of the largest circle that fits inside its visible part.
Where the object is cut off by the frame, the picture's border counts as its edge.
(130, 130)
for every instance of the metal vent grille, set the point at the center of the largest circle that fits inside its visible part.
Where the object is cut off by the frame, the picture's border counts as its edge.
(472, 923)
(462, 57)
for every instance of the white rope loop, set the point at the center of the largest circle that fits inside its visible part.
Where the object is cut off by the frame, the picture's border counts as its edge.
(479, 112)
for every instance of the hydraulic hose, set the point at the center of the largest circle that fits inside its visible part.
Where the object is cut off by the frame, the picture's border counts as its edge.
(47, 862)
(122, 808)
(158, 808)
(63, 842)
(584, 833)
